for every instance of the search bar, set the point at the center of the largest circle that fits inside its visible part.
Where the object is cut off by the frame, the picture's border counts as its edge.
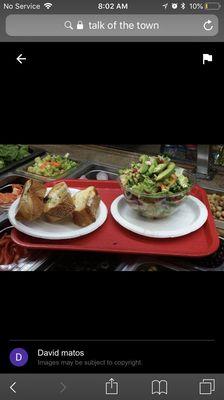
(111, 25)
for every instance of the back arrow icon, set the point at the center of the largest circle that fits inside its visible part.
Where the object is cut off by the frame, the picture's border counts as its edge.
(12, 387)
(20, 59)
(63, 387)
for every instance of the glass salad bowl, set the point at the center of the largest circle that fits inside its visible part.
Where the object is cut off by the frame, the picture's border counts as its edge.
(157, 205)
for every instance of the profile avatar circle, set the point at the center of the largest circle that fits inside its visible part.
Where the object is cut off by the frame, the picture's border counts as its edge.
(18, 357)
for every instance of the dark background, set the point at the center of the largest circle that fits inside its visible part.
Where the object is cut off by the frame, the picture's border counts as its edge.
(120, 306)
(110, 60)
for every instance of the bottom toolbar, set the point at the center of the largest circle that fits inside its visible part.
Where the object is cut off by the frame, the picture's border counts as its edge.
(122, 386)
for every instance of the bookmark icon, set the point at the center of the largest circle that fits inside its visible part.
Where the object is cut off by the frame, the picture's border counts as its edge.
(159, 387)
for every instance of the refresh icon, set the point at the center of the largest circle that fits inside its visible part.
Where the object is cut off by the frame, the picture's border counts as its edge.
(208, 25)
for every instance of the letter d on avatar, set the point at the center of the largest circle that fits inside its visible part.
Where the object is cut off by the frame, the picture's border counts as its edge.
(18, 357)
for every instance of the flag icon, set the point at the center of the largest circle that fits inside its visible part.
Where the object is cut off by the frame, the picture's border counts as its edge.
(207, 57)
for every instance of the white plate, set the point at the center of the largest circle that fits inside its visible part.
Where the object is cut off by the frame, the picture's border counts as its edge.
(189, 217)
(56, 231)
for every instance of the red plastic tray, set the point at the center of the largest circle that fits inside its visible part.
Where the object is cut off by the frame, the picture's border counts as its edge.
(111, 237)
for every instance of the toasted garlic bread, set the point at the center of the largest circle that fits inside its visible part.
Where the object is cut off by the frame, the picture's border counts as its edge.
(38, 188)
(58, 203)
(31, 204)
(86, 204)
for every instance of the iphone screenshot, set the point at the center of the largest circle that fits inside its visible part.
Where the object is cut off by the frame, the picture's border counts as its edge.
(111, 255)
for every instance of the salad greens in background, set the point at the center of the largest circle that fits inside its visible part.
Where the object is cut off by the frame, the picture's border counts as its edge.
(52, 165)
(154, 175)
(12, 152)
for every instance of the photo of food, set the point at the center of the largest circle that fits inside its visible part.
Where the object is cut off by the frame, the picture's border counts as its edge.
(148, 208)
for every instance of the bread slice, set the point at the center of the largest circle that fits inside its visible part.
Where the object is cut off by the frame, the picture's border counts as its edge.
(31, 204)
(39, 188)
(58, 203)
(86, 204)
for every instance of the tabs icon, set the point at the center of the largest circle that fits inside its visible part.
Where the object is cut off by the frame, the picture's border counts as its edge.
(207, 387)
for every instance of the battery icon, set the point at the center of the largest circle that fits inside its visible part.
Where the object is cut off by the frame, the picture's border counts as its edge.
(212, 6)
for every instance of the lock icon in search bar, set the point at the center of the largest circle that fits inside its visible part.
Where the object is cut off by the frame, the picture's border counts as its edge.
(80, 26)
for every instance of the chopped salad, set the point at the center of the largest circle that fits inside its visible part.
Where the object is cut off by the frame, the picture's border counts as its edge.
(154, 175)
(52, 165)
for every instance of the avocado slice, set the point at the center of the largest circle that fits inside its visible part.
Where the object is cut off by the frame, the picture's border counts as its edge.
(160, 167)
(183, 181)
(167, 172)
(144, 168)
(152, 167)
(143, 158)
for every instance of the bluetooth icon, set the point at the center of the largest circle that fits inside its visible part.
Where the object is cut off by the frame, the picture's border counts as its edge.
(183, 6)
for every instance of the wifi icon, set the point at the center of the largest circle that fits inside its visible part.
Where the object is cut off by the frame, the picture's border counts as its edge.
(48, 5)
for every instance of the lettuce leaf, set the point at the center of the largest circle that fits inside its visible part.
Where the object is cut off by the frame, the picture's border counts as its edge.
(13, 152)
(2, 163)
(23, 152)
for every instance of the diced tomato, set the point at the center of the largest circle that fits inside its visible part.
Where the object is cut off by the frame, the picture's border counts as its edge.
(17, 189)
(17, 186)
(6, 198)
(44, 164)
